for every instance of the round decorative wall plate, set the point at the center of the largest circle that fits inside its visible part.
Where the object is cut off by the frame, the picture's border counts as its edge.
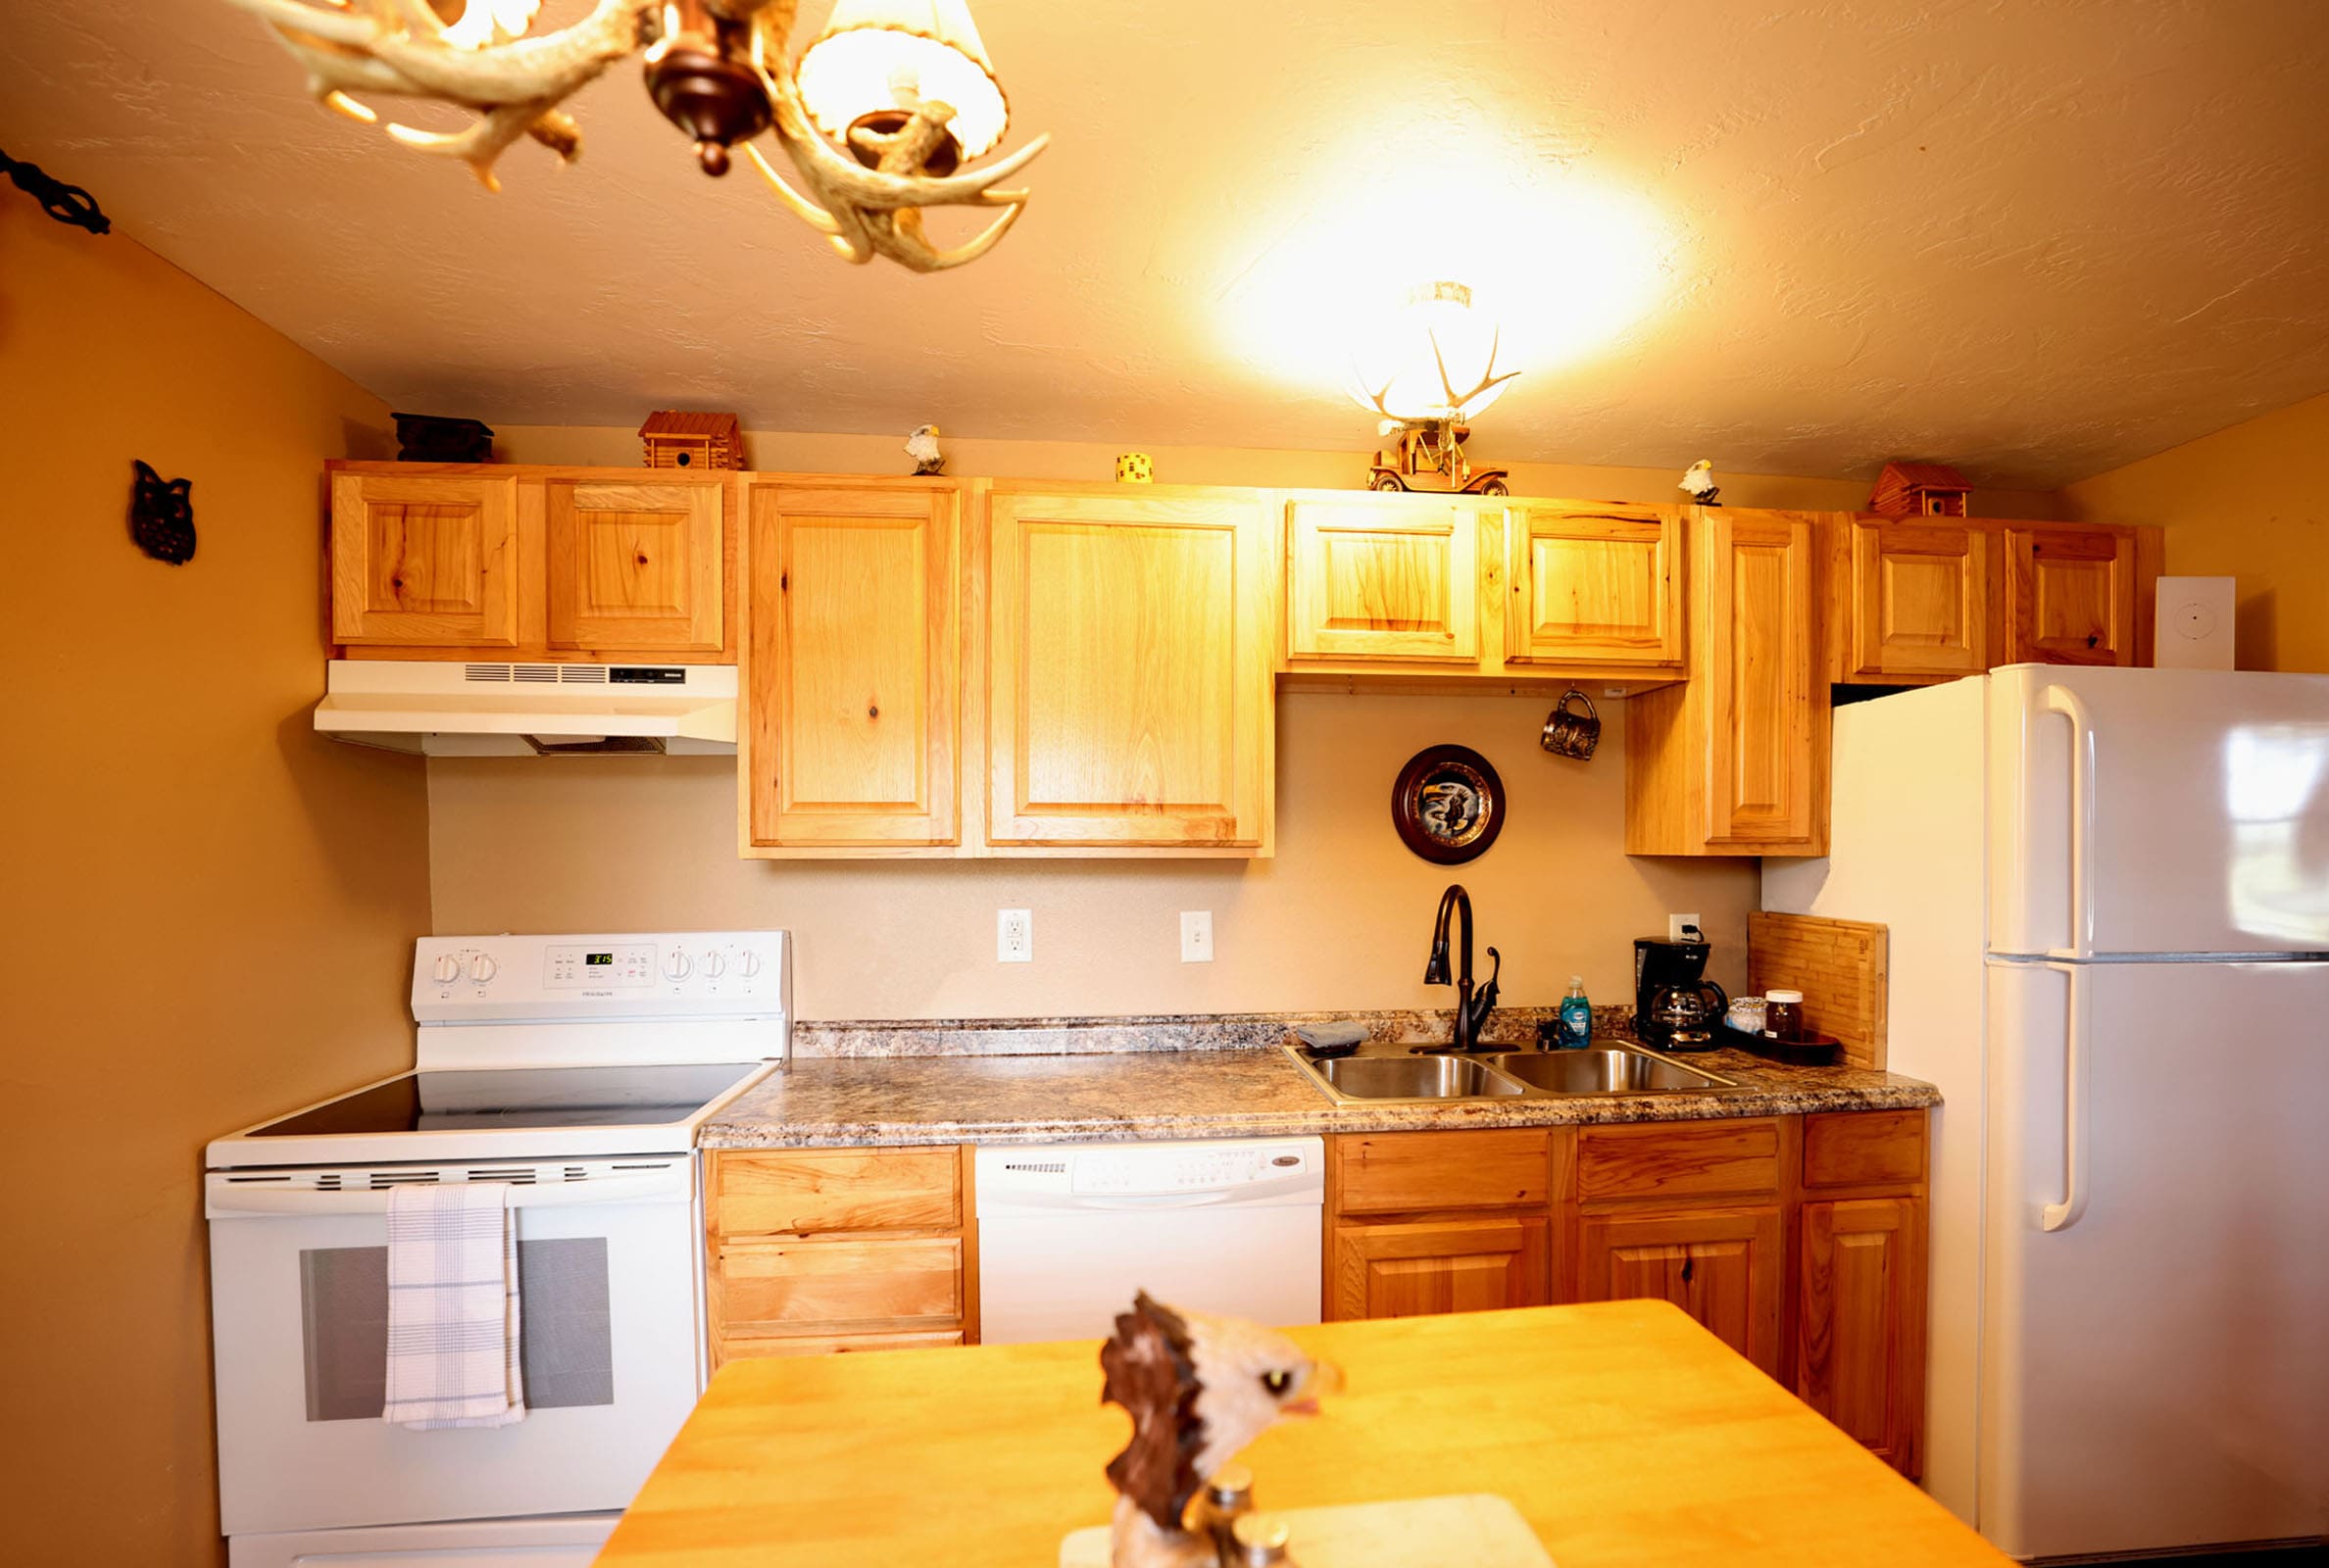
(1448, 805)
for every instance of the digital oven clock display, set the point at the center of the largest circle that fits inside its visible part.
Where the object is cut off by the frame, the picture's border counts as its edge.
(595, 961)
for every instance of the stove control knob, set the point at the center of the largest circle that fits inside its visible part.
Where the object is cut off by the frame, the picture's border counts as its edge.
(714, 965)
(748, 964)
(482, 968)
(677, 966)
(448, 968)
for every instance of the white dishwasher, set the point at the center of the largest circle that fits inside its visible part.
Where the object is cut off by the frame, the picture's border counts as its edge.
(1068, 1231)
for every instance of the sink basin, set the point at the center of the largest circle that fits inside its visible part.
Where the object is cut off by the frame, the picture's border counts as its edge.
(1603, 1072)
(1412, 1078)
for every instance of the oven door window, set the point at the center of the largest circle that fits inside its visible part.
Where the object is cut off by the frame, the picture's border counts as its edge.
(564, 1344)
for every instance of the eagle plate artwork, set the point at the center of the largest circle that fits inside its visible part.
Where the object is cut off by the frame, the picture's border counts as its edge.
(1448, 805)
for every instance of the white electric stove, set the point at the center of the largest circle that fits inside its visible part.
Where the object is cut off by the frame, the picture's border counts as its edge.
(576, 1068)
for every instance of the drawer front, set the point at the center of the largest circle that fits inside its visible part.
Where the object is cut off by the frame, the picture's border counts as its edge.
(1677, 1159)
(737, 1350)
(796, 1191)
(1394, 1173)
(1864, 1149)
(838, 1287)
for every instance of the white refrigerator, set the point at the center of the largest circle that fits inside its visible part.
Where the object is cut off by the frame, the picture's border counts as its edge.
(2108, 900)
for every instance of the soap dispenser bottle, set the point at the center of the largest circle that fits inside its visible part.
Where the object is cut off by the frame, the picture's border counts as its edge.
(1577, 1016)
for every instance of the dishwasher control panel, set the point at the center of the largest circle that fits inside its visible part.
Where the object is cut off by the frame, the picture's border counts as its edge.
(1218, 1172)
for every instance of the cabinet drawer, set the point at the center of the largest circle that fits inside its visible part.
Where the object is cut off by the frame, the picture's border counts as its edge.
(1393, 1173)
(771, 1287)
(1670, 1159)
(811, 1190)
(1864, 1149)
(837, 1343)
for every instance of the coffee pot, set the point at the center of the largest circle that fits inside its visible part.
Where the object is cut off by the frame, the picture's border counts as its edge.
(1683, 1017)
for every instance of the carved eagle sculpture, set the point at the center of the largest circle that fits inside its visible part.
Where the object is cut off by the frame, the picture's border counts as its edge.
(1199, 1389)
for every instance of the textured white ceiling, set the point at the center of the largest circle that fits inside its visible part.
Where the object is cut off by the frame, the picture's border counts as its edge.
(2034, 237)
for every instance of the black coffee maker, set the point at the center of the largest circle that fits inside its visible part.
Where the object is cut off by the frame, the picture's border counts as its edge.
(1675, 1005)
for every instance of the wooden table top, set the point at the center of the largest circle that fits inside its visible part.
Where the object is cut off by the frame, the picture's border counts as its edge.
(1625, 1433)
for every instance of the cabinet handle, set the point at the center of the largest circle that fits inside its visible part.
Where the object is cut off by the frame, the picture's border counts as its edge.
(1689, 1263)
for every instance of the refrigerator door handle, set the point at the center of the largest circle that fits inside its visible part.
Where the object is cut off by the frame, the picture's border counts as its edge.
(2064, 1215)
(2068, 703)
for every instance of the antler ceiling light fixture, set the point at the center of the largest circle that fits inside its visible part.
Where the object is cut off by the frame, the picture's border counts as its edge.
(876, 118)
(1427, 370)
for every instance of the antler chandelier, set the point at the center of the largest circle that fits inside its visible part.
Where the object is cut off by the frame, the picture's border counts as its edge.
(876, 118)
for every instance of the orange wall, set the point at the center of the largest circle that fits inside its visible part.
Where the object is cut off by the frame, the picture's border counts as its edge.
(2249, 502)
(209, 911)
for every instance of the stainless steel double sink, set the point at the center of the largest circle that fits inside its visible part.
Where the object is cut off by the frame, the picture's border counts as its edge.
(1397, 1075)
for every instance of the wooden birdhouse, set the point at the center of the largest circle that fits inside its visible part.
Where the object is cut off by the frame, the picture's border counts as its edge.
(676, 440)
(1920, 490)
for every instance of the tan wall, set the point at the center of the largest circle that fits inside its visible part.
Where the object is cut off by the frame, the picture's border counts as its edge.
(1340, 918)
(2249, 502)
(209, 911)
(782, 451)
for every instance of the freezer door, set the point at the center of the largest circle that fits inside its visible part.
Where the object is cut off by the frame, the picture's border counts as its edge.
(2154, 1367)
(2157, 810)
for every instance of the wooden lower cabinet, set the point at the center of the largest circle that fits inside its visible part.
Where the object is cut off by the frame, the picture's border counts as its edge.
(812, 1252)
(1723, 1267)
(1453, 1266)
(1861, 1322)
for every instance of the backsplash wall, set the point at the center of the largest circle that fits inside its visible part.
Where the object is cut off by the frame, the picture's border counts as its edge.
(1340, 918)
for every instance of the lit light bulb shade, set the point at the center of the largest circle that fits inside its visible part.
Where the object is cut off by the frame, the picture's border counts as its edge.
(1434, 345)
(886, 54)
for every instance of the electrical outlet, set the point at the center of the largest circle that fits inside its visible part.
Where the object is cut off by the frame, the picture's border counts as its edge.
(1014, 936)
(1196, 936)
(1675, 923)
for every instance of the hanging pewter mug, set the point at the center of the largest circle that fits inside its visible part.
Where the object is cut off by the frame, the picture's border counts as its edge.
(1569, 733)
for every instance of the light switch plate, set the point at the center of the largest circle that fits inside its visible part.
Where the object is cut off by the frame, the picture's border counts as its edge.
(1014, 936)
(1196, 936)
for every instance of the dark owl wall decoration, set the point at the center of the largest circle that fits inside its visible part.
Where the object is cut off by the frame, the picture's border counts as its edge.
(162, 515)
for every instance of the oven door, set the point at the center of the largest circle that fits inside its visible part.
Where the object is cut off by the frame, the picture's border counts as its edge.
(299, 1303)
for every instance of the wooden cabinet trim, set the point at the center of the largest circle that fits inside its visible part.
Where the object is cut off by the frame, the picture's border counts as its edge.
(812, 1191)
(1677, 1159)
(774, 1286)
(1864, 1149)
(1394, 1173)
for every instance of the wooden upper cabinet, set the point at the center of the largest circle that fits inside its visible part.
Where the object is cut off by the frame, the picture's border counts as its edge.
(1593, 584)
(426, 560)
(851, 666)
(1383, 577)
(1129, 654)
(1735, 761)
(635, 564)
(1860, 1323)
(1721, 1267)
(1920, 592)
(2070, 594)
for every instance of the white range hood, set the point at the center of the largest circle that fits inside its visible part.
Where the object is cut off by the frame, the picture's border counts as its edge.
(442, 708)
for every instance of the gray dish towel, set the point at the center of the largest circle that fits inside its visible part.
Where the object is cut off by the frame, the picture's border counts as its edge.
(1331, 1039)
(453, 1307)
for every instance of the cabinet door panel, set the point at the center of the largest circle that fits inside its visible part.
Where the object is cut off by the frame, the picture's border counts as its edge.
(634, 565)
(1471, 1266)
(868, 1285)
(1920, 598)
(1859, 1348)
(427, 561)
(1767, 750)
(2070, 596)
(1130, 697)
(1593, 586)
(1395, 578)
(1720, 1266)
(851, 666)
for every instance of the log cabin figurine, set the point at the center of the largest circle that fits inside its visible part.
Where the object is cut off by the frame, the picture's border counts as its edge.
(1920, 490)
(1199, 1389)
(678, 440)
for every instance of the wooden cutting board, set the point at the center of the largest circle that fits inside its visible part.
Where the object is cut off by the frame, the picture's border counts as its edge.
(1839, 965)
(1476, 1531)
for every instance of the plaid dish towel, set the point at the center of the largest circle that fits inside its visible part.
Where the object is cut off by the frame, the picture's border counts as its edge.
(453, 1307)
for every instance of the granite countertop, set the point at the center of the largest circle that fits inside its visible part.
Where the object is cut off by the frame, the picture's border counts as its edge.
(1184, 1078)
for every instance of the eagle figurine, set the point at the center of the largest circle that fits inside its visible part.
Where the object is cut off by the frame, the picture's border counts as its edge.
(1199, 1389)
(922, 447)
(1698, 483)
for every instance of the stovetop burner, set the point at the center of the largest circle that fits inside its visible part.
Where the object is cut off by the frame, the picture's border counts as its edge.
(496, 1099)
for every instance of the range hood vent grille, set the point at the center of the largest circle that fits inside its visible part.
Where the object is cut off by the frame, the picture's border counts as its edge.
(540, 674)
